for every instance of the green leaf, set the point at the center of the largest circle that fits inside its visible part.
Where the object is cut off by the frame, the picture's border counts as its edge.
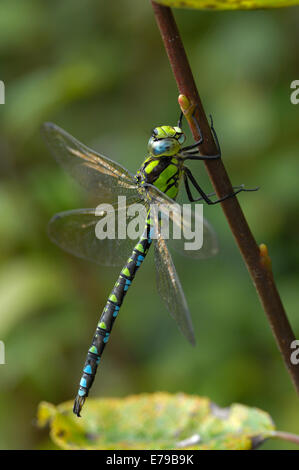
(156, 421)
(228, 4)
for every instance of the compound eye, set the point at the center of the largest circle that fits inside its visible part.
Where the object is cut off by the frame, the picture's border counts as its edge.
(181, 138)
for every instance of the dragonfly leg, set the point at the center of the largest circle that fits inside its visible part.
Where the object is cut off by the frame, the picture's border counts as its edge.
(215, 136)
(188, 176)
(200, 141)
(180, 121)
(189, 154)
(197, 156)
(187, 149)
(214, 194)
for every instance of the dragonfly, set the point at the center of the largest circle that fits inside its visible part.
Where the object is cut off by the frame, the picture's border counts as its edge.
(157, 181)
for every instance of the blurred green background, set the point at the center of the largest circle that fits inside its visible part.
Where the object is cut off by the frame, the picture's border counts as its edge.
(99, 70)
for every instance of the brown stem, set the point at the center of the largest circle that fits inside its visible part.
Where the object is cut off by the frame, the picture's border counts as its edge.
(257, 264)
(286, 436)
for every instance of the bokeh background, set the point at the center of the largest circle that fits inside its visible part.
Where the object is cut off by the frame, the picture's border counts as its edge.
(99, 70)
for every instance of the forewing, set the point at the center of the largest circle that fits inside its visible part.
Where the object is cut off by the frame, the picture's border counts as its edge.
(104, 178)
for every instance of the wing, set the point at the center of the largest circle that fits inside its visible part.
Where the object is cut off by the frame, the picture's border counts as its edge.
(187, 247)
(75, 232)
(169, 286)
(187, 222)
(98, 174)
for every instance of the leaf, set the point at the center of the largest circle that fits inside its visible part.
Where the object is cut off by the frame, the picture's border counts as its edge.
(156, 421)
(228, 4)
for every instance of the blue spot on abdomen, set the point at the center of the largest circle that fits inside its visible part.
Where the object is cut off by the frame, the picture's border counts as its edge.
(87, 369)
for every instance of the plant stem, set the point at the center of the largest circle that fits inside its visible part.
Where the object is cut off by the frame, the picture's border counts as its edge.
(286, 436)
(257, 263)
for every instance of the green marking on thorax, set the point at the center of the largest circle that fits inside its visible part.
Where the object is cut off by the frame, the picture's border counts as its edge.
(172, 192)
(149, 168)
(162, 182)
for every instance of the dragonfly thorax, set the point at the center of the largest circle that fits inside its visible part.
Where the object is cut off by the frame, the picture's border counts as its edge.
(163, 166)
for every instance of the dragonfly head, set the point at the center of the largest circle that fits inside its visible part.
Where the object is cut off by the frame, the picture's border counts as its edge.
(166, 141)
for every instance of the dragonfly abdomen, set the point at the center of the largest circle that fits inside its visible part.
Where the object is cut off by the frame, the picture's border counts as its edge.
(109, 315)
